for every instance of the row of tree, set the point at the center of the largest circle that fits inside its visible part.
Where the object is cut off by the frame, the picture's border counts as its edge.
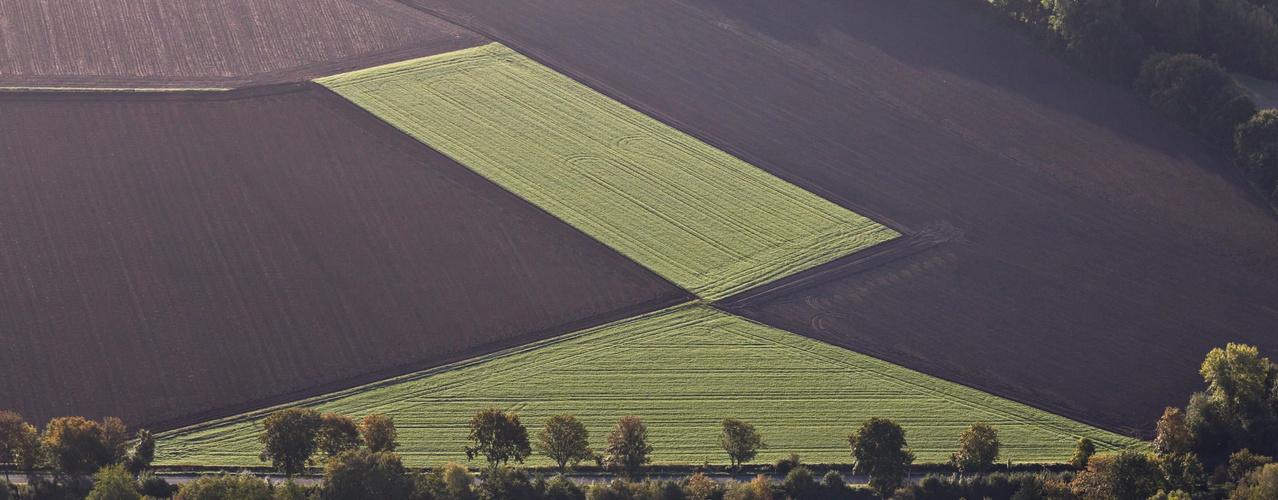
(1217, 447)
(1133, 42)
(72, 446)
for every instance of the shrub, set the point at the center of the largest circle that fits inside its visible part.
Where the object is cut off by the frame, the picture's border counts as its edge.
(700, 487)
(504, 483)
(113, 483)
(225, 486)
(799, 484)
(562, 488)
(150, 485)
(784, 465)
(457, 480)
(362, 474)
(758, 489)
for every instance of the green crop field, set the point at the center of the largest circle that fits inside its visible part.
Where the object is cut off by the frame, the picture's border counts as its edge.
(682, 370)
(699, 217)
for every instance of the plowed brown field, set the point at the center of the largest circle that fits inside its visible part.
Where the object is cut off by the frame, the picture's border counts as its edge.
(167, 257)
(1102, 250)
(208, 43)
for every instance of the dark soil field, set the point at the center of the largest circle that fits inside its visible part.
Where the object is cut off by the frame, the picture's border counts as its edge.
(169, 257)
(1093, 252)
(214, 43)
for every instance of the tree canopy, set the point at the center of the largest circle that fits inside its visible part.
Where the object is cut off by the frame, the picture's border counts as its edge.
(498, 437)
(740, 439)
(880, 452)
(565, 440)
(628, 449)
(290, 436)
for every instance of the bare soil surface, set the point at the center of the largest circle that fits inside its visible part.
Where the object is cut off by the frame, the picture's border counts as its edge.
(173, 257)
(1097, 251)
(208, 43)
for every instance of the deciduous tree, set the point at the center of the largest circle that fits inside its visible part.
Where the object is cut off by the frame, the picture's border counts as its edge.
(565, 440)
(289, 437)
(12, 431)
(113, 483)
(1259, 484)
(1083, 453)
(880, 452)
(379, 433)
(978, 448)
(1126, 476)
(498, 437)
(77, 446)
(338, 433)
(628, 449)
(1173, 433)
(366, 475)
(1238, 377)
(741, 440)
(143, 452)
(1256, 142)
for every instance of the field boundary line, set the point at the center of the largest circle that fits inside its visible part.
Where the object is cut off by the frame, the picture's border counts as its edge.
(930, 236)
(409, 371)
(193, 95)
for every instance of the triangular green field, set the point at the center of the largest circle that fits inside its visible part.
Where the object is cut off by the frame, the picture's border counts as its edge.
(682, 370)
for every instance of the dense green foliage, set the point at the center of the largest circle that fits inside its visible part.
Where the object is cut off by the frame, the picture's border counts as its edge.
(740, 440)
(628, 449)
(338, 433)
(365, 475)
(693, 214)
(289, 438)
(379, 433)
(1133, 41)
(113, 483)
(565, 440)
(498, 437)
(691, 366)
(880, 452)
(978, 448)
(77, 446)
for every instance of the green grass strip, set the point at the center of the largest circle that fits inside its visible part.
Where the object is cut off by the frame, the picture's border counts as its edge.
(682, 370)
(697, 216)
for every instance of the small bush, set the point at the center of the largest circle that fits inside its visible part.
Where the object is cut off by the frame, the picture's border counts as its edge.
(156, 487)
(562, 488)
(784, 465)
(700, 487)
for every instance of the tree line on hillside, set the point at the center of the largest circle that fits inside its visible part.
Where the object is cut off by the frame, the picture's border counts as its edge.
(1174, 53)
(1218, 447)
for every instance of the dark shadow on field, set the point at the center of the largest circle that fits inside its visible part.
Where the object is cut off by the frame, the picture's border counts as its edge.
(975, 45)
